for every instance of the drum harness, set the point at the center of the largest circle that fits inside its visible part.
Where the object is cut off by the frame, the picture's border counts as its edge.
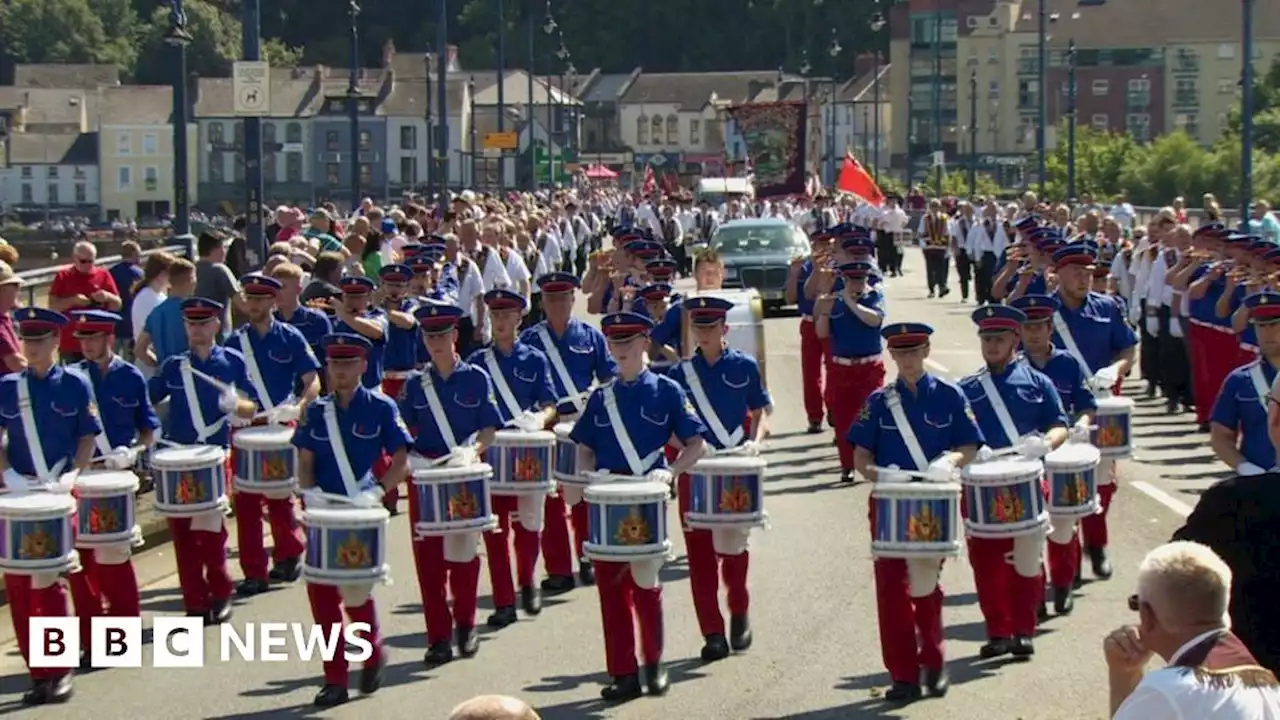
(637, 464)
(340, 450)
(44, 473)
(562, 372)
(707, 410)
(500, 384)
(255, 373)
(894, 403)
(203, 432)
(1069, 340)
(104, 445)
(997, 404)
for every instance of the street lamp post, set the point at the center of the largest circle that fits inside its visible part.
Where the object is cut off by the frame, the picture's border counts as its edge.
(877, 24)
(834, 51)
(442, 98)
(1246, 124)
(549, 27)
(562, 54)
(805, 69)
(471, 113)
(502, 97)
(179, 38)
(572, 72)
(431, 128)
(973, 132)
(1043, 110)
(353, 102)
(937, 100)
(1071, 119)
(529, 120)
(254, 235)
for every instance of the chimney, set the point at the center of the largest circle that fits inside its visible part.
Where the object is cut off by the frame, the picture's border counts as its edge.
(388, 53)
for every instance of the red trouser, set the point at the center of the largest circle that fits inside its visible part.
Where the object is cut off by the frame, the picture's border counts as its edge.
(326, 610)
(26, 602)
(557, 558)
(103, 590)
(287, 540)
(1214, 354)
(434, 572)
(1094, 527)
(1064, 561)
(910, 628)
(622, 605)
(705, 568)
(848, 387)
(497, 545)
(391, 387)
(813, 353)
(1009, 601)
(202, 565)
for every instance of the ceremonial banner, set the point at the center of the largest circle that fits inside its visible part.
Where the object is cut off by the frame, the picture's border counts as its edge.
(774, 135)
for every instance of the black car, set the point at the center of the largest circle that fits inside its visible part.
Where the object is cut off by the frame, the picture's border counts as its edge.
(757, 253)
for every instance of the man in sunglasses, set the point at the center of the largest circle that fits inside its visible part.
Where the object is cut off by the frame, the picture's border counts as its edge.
(82, 286)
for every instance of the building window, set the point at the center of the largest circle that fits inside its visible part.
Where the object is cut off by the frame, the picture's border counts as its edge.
(332, 174)
(124, 179)
(215, 133)
(1226, 51)
(366, 175)
(238, 140)
(151, 178)
(1139, 85)
(237, 168)
(293, 132)
(331, 142)
(695, 132)
(673, 130)
(642, 130)
(26, 194)
(337, 106)
(1101, 88)
(293, 167)
(1228, 86)
(408, 167)
(124, 144)
(52, 199)
(993, 90)
(53, 172)
(1100, 122)
(82, 196)
(216, 169)
(269, 168)
(78, 173)
(150, 144)
(27, 171)
(408, 137)
(366, 141)
(1188, 123)
(655, 131)
(269, 138)
(1139, 126)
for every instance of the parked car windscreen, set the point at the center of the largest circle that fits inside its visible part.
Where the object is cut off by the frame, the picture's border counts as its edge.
(781, 240)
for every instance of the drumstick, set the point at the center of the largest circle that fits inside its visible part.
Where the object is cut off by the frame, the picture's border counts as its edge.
(908, 473)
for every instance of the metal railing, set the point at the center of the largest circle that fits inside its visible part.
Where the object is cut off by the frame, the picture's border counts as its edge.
(36, 282)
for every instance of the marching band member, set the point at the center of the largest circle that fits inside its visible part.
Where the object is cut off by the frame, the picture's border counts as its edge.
(578, 354)
(854, 366)
(1092, 327)
(277, 359)
(451, 409)
(51, 424)
(128, 426)
(623, 430)
(314, 323)
(200, 542)
(1238, 433)
(903, 426)
(355, 315)
(521, 377)
(812, 348)
(726, 389)
(340, 439)
(1072, 382)
(1015, 406)
(400, 355)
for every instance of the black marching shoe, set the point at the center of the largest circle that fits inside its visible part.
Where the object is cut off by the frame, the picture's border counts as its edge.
(655, 678)
(287, 570)
(622, 689)
(714, 647)
(1101, 563)
(586, 573)
(1042, 614)
(530, 600)
(371, 678)
(1063, 601)
(331, 696)
(846, 476)
(502, 617)
(557, 584)
(468, 641)
(249, 587)
(438, 654)
(903, 692)
(995, 647)
(1022, 647)
(938, 681)
(740, 632)
(815, 428)
(219, 613)
(53, 691)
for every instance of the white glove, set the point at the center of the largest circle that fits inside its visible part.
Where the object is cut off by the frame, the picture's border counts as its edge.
(660, 476)
(1106, 377)
(528, 421)
(463, 456)
(709, 450)
(65, 483)
(228, 401)
(985, 453)
(941, 471)
(370, 498)
(15, 482)
(238, 422)
(1245, 469)
(314, 499)
(894, 475)
(1033, 447)
(750, 448)
(121, 458)
(1079, 433)
(284, 414)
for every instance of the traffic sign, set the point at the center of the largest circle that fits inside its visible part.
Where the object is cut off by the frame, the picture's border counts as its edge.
(501, 141)
(251, 86)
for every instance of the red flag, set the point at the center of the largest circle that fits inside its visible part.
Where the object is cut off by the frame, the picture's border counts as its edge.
(855, 179)
(650, 182)
(670, 183)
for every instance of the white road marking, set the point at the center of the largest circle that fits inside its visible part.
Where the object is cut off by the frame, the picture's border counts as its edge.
(1162, 497)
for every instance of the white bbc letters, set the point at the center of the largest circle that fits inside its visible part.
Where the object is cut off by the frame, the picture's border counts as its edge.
(177, 642)
(54, 642)
(116, 642)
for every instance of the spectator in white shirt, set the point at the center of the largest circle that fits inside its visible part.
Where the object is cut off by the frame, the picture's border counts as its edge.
(1183, 591)
(1123, 212)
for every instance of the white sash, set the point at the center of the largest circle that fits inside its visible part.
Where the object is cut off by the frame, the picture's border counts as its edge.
(255, 374)
(907, 432)
(437, 410)
(34, 446)
(1064, 332)
(557, 362)
(997, 404)
(708, 410)
(203, 432)
(100, 440)
(500, 383)
(639, 466)
(340, 449)
(1260, 383)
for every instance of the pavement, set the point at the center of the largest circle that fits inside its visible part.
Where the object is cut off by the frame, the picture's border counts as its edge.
(816, 653)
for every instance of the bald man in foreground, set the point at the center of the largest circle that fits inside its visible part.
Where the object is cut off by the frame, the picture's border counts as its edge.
(494, 707)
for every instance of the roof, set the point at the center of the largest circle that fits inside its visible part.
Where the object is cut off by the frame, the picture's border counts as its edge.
(515, 88)
(862, 88)
(45, 106)
(605, 89)
(62, 77)
(692, 91)
(136, 105)
(53, 149)
(1126, 24)
(293, 94)
(408, 97)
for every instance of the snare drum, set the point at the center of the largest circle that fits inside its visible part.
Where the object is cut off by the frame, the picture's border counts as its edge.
(453, 500)
(521, 462)
(1112, 434)
(1003, 498)
(265, 460)
(1072, 472)
(627, 521)
(190, 480)
(345, 546)
(727, 492)
(37, 533)
(107, 511)
(566, 462)
(915, 520)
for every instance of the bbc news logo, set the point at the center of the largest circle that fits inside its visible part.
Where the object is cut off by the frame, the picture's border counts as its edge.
(180, 642)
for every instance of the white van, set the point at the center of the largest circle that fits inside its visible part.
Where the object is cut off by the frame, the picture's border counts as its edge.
(718, 191)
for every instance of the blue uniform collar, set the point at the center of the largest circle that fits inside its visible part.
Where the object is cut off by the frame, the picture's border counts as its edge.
(924, 384)
(1006, 371)
(644, 374)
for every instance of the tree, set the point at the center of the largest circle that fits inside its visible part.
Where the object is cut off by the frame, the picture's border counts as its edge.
(52, 31)
(216, 43)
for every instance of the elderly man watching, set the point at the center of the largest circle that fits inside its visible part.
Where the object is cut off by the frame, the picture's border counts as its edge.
(81, 286)
(1183, 589)
(494, 707)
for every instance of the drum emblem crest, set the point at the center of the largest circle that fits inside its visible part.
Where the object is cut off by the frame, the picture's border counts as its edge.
(1110, 435)
(633, 530)
(189, 489)
(734, 498)
(1074, 490)
(1006, 507)
(37, 545)
(463, 506)
(527, 469)
(924, 526)
(103, 519)
(274, 468)
(354, 553)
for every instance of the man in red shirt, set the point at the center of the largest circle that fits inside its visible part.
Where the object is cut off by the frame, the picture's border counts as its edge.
(83, 286)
